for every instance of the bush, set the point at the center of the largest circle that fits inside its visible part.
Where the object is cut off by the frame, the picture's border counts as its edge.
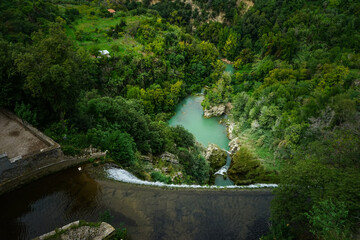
(24, 112)
(329, 220)
(120, 145)
(159, 177)
(245, 168)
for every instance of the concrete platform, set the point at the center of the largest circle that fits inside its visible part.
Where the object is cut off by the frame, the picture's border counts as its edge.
(16, 139)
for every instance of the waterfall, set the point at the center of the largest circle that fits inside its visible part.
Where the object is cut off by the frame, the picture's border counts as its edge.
(223, 170)
(124, 176)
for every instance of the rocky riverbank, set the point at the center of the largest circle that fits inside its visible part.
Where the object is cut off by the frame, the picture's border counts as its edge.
(218, 110)
(215, 111)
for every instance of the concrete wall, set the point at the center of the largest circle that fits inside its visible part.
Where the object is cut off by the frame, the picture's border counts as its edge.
(22, 169)
(16, 166)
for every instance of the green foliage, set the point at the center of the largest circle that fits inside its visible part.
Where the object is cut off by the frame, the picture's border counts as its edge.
(71, 14)
(159, 177)
(303, 199)
(195, 165)
(296, 90)
(24, 112)
(10, 81)
(105, 216)
(245, 168)
(120, 145)
(121, 233)
(52, 69)
(329, 220)
(181, 137)
(279, 230)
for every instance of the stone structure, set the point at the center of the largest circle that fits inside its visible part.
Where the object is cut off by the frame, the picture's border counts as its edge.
(21, 145)
(80, 230)
(26, 154)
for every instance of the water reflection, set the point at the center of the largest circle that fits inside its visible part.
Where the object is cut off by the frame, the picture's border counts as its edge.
(147, 212)
(49, 203)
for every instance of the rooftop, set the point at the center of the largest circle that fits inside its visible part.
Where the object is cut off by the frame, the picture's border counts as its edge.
(16, 139)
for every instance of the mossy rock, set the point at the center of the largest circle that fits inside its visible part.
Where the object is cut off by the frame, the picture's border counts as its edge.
(216, 157)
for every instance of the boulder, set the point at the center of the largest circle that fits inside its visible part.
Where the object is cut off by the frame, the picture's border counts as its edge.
(215, 111)
(230, 128)
(216, 156)
(234, 146)
(75, 230)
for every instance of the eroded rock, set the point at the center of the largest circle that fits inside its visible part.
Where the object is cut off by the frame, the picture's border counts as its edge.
(234, 146)
(169, 157)
(230, 128)
(216, 156)
(215, 111)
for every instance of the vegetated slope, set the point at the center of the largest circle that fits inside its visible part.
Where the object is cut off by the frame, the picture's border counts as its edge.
(296, 93)
(117, 102)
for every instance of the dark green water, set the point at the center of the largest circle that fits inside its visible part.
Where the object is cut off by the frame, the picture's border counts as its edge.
(147, 212)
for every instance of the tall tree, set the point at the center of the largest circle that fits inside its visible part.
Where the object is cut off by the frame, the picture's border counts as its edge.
(51, 67)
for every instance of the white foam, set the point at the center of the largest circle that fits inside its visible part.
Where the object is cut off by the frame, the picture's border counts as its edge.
(124, 176)
(222, 170)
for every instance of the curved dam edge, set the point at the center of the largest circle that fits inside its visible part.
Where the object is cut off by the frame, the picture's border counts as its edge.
(189, 213)
(123, 176)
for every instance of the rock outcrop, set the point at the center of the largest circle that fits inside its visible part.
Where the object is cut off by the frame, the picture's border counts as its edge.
(230, 128)
(216, 156)
(234, 146)
(78, 230)
(169, 157)
(215, 111)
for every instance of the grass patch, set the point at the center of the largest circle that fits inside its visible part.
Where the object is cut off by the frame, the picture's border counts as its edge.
(90, 32)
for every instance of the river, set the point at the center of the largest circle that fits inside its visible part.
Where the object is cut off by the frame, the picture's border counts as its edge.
(147, 212)
(189, 113)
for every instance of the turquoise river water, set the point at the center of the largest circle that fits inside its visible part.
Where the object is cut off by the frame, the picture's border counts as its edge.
(189, 114)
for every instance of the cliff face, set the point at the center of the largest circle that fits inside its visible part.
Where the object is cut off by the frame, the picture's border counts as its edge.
(215, 111)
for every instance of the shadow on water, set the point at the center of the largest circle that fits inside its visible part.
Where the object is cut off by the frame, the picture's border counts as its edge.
(48, 203)
(147, 212)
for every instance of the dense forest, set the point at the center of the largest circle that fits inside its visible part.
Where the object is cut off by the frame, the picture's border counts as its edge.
(295, 93)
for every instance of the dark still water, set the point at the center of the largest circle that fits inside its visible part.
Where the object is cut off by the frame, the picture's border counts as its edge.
(147, 212)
